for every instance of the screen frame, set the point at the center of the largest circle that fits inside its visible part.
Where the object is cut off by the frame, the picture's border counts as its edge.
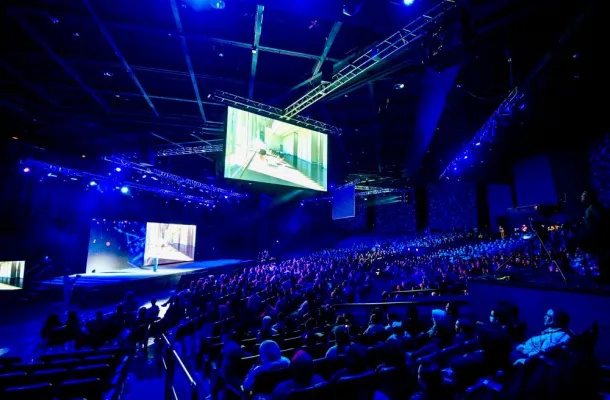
(267, 184)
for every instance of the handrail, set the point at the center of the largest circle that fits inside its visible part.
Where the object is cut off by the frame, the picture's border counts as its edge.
(432, 301)
(167, 362)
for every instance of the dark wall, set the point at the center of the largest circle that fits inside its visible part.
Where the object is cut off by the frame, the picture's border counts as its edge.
(599, 161)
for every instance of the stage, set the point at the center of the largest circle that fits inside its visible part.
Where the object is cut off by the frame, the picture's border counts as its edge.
(93, 289)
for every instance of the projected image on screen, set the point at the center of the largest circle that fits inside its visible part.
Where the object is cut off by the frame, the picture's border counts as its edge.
(261, 149)
(115, 245)
(169, 243)
(11, 275)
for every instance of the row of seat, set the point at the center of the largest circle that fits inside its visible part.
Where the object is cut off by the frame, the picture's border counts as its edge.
(90, 389)
(83, 374)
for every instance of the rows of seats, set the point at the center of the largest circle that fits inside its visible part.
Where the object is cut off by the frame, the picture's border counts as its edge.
(80, 374)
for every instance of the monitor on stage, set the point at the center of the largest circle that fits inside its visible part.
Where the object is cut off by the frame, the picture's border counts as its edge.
(169, 243)
(11, 275)
(266, 150)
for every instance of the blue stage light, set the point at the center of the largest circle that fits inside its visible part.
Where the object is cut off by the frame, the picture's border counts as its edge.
(117, 169)
(124, 190)
(407, 2)
(92, 183)
(26, 169)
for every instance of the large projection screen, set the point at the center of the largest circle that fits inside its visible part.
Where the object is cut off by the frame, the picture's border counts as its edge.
(115, 245)
(169, 243)
(261, 149)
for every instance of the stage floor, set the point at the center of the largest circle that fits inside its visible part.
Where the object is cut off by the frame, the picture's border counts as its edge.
(133, 274)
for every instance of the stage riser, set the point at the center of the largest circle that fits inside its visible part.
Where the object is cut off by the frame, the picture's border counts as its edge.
(94, 297)
(584, 308)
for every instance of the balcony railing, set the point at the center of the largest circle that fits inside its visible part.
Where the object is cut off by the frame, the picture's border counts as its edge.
(171, 364)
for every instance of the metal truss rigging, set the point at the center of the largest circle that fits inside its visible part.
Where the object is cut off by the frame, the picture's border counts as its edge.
(377, 54)
(171, 177)
(113, 182)
(275, 113)
(514, 101)
(184, 151)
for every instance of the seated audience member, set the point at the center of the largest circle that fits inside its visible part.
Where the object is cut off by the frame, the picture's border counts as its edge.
(396, 384)
(97, 329)
(52, 322)
(355, 363)
(342, 345)
(130, 303)
(153, 311)
(271, 359)
(438, 337)
(375, 327)
(267, 331)
(430, 380)
(280, 325)
(303, 376)
(398, 333)
(556, 332)
(413, 325)
(464, 331)
(392, 317)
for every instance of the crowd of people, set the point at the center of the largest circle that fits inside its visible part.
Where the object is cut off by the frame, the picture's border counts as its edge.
(279, 319)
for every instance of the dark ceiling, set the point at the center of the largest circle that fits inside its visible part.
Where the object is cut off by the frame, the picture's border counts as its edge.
(102, 77)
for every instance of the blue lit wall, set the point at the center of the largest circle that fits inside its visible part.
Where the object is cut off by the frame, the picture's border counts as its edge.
(452, 205)
(395, 214)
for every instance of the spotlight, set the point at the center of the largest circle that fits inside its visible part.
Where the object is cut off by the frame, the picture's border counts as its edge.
(93, 183)
(407, 2)
(26, 169)
(117, 169)
(477, 144)
(399, 86)
(124, 190)
(218, 4)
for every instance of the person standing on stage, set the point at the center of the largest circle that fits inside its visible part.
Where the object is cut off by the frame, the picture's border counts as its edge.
(69, 288)
(502, 234)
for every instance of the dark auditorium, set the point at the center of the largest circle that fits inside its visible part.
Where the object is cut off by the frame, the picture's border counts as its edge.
(297, 200)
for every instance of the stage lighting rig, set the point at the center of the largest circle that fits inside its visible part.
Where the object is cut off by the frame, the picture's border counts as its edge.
(171, 177)
(183, 151)
(275, 113)
(99, 181)
(377, 54)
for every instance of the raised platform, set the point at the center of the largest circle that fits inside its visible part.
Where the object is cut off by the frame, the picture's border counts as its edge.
(94, 289)
(586, 304)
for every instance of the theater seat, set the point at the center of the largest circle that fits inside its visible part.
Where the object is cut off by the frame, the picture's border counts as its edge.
(6, 361)
(29, 368)
(69, 363)
(266, 381)
(42, 391)
(53, 376)
(103, 359)
(13, 379)
(103, 372)
(356, 387)
(90, 389)
(318, 392)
